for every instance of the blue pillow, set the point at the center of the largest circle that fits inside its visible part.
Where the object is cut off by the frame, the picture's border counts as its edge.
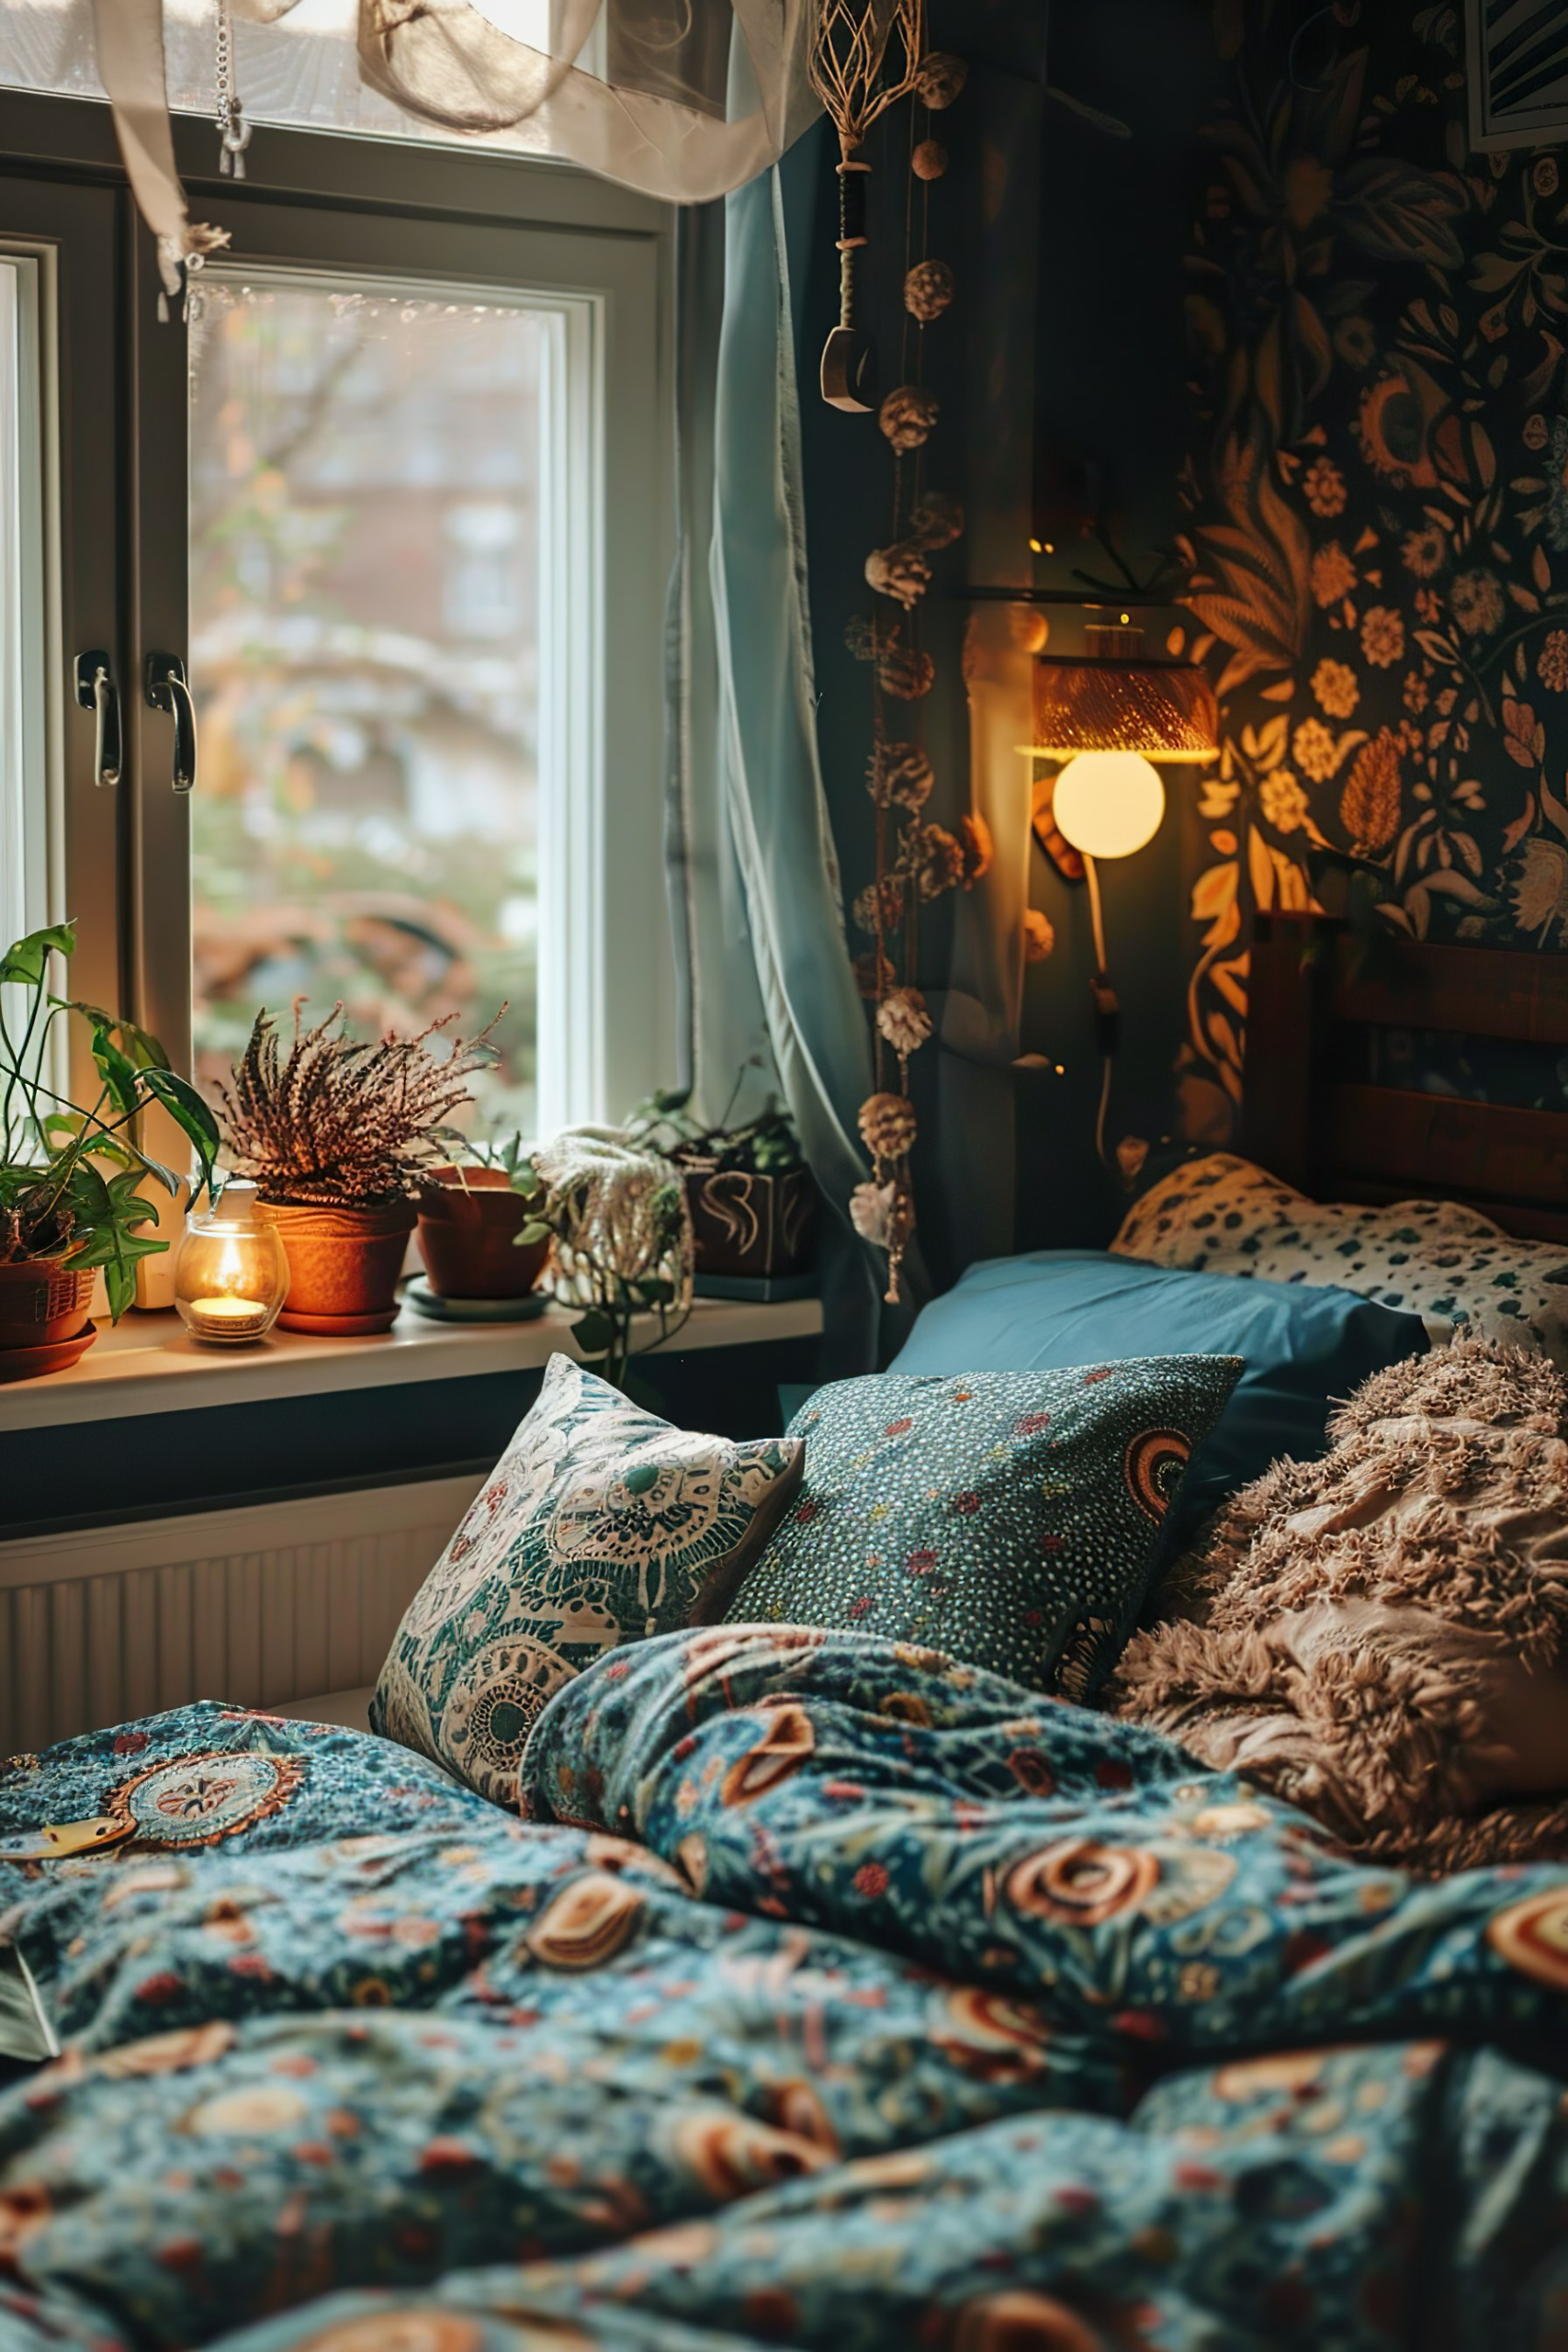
(1302, 1346)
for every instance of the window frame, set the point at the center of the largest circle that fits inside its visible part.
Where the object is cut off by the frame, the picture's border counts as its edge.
(72, 234)
(364, 206)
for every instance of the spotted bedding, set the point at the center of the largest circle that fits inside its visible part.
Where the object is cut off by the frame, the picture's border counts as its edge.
(832, 1994)
(1441, 1259)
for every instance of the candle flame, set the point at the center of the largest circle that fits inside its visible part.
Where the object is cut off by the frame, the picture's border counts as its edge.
(231, 1275)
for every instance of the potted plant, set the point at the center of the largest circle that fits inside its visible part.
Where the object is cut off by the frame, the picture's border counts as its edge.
(73, 1175)
(752, 1198)
(339, 1138)
(481, 1233)
(623, 1241)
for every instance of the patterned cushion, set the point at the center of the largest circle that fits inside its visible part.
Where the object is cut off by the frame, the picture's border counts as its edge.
(600, 1525)
(1439, 1259)
(1011, 1518)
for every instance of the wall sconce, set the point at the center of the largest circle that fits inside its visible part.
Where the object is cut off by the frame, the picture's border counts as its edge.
(1107, 715)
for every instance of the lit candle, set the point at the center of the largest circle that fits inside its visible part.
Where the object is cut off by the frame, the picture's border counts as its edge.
(227, 1318)
(232, 1276)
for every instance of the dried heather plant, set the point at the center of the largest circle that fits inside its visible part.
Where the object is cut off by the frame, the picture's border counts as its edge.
(335, 1120)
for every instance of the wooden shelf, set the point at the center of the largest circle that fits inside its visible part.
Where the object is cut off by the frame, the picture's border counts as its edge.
(150, 1363)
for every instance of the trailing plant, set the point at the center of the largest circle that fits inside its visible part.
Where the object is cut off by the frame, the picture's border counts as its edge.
(335, 1120)
(614, 1205)
(765, 1146)
(622, 1238)
(72, 1175)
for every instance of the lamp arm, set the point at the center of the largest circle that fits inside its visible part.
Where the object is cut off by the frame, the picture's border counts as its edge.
(1107, 1005)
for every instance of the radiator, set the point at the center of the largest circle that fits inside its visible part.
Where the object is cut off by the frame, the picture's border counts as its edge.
(271, 1605)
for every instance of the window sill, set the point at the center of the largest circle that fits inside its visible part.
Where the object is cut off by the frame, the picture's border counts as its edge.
(150, 1363)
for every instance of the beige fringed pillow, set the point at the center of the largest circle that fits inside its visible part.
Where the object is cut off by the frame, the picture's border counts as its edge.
(1382, 1636)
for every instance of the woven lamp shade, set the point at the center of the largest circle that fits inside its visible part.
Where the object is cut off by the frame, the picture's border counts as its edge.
(1114, 701)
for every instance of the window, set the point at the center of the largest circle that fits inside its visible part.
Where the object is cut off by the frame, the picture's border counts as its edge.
(364, 557)
(396, 500)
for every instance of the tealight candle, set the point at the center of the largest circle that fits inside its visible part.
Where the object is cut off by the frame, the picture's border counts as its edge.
(231, 1276)
(228, 1318)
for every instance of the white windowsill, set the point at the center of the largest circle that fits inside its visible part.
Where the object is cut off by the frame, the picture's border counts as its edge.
(150, 1363)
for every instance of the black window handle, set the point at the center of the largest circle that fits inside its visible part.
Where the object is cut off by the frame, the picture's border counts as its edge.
(95, 692)
(168, 690)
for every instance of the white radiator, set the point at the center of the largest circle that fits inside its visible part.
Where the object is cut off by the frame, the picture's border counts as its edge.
(273, 1605)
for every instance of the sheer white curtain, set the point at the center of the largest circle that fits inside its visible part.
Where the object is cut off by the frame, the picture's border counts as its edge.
(683, 99)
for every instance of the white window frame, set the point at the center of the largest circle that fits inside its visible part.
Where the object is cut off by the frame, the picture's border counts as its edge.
(600, 259)
(32, 865)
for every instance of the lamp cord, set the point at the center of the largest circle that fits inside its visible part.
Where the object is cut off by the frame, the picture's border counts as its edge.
(1107, 1007)
(1097, 917)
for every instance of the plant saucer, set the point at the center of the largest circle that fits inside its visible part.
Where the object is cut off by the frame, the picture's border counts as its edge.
(54, 1355)
(424, 1301)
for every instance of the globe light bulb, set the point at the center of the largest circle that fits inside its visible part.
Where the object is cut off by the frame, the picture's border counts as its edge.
(1107, 804)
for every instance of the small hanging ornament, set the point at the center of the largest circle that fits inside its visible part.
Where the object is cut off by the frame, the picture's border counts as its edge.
(887, 1125)
(899, 775)
(884, 1215)
(905, 1023)
(939, 79)
(183, 258)
(929, 160)
(861, 57)
(928, 290)
(233, 130)
(907, 416)
(900, 572)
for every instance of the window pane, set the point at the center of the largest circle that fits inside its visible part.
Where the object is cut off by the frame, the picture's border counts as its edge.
(365, 565)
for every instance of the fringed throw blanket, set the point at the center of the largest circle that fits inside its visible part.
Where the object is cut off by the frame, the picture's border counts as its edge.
(1382, 1636)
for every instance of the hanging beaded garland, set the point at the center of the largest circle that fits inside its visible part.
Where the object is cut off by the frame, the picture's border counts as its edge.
(917, 860)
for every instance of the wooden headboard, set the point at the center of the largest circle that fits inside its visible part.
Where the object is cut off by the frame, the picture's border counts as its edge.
(1336, 1137)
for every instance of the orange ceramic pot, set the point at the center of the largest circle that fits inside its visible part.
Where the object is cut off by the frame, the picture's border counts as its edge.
(344, 1264)
(468, 1224)
(42, 1302)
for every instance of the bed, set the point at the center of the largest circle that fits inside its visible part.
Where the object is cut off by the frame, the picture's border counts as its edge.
(821, 1989)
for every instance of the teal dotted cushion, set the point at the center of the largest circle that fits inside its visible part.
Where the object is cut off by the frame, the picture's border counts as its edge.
(601, 1524)
(1010, 1518)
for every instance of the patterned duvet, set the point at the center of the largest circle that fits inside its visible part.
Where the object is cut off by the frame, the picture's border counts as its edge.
(834, 1995)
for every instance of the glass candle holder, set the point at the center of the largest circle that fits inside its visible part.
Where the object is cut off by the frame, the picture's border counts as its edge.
(231, 1275)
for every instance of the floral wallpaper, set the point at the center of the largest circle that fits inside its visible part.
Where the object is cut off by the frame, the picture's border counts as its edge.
(1376, 531)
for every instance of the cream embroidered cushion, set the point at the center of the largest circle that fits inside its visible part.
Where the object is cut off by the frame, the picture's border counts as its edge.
(601, 1524)
(1439, 1259)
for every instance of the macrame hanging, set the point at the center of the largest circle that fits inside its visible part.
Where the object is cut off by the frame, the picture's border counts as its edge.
(861, 58)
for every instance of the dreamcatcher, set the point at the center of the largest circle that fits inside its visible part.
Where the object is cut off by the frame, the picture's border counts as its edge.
(863, 57)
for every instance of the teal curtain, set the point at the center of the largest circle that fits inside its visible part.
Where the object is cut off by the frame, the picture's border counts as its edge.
(767, 988)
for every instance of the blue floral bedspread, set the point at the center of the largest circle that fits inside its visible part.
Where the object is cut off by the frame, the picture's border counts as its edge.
(833, 1995)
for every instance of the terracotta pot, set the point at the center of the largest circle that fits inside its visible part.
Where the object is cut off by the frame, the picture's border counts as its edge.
(344, 1264)
(467, 1229)
(42, 1302)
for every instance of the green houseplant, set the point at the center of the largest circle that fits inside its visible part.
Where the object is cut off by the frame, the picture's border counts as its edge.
(481, 1233)
(73, 1177)
(751, 1197)
(340, 1135)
